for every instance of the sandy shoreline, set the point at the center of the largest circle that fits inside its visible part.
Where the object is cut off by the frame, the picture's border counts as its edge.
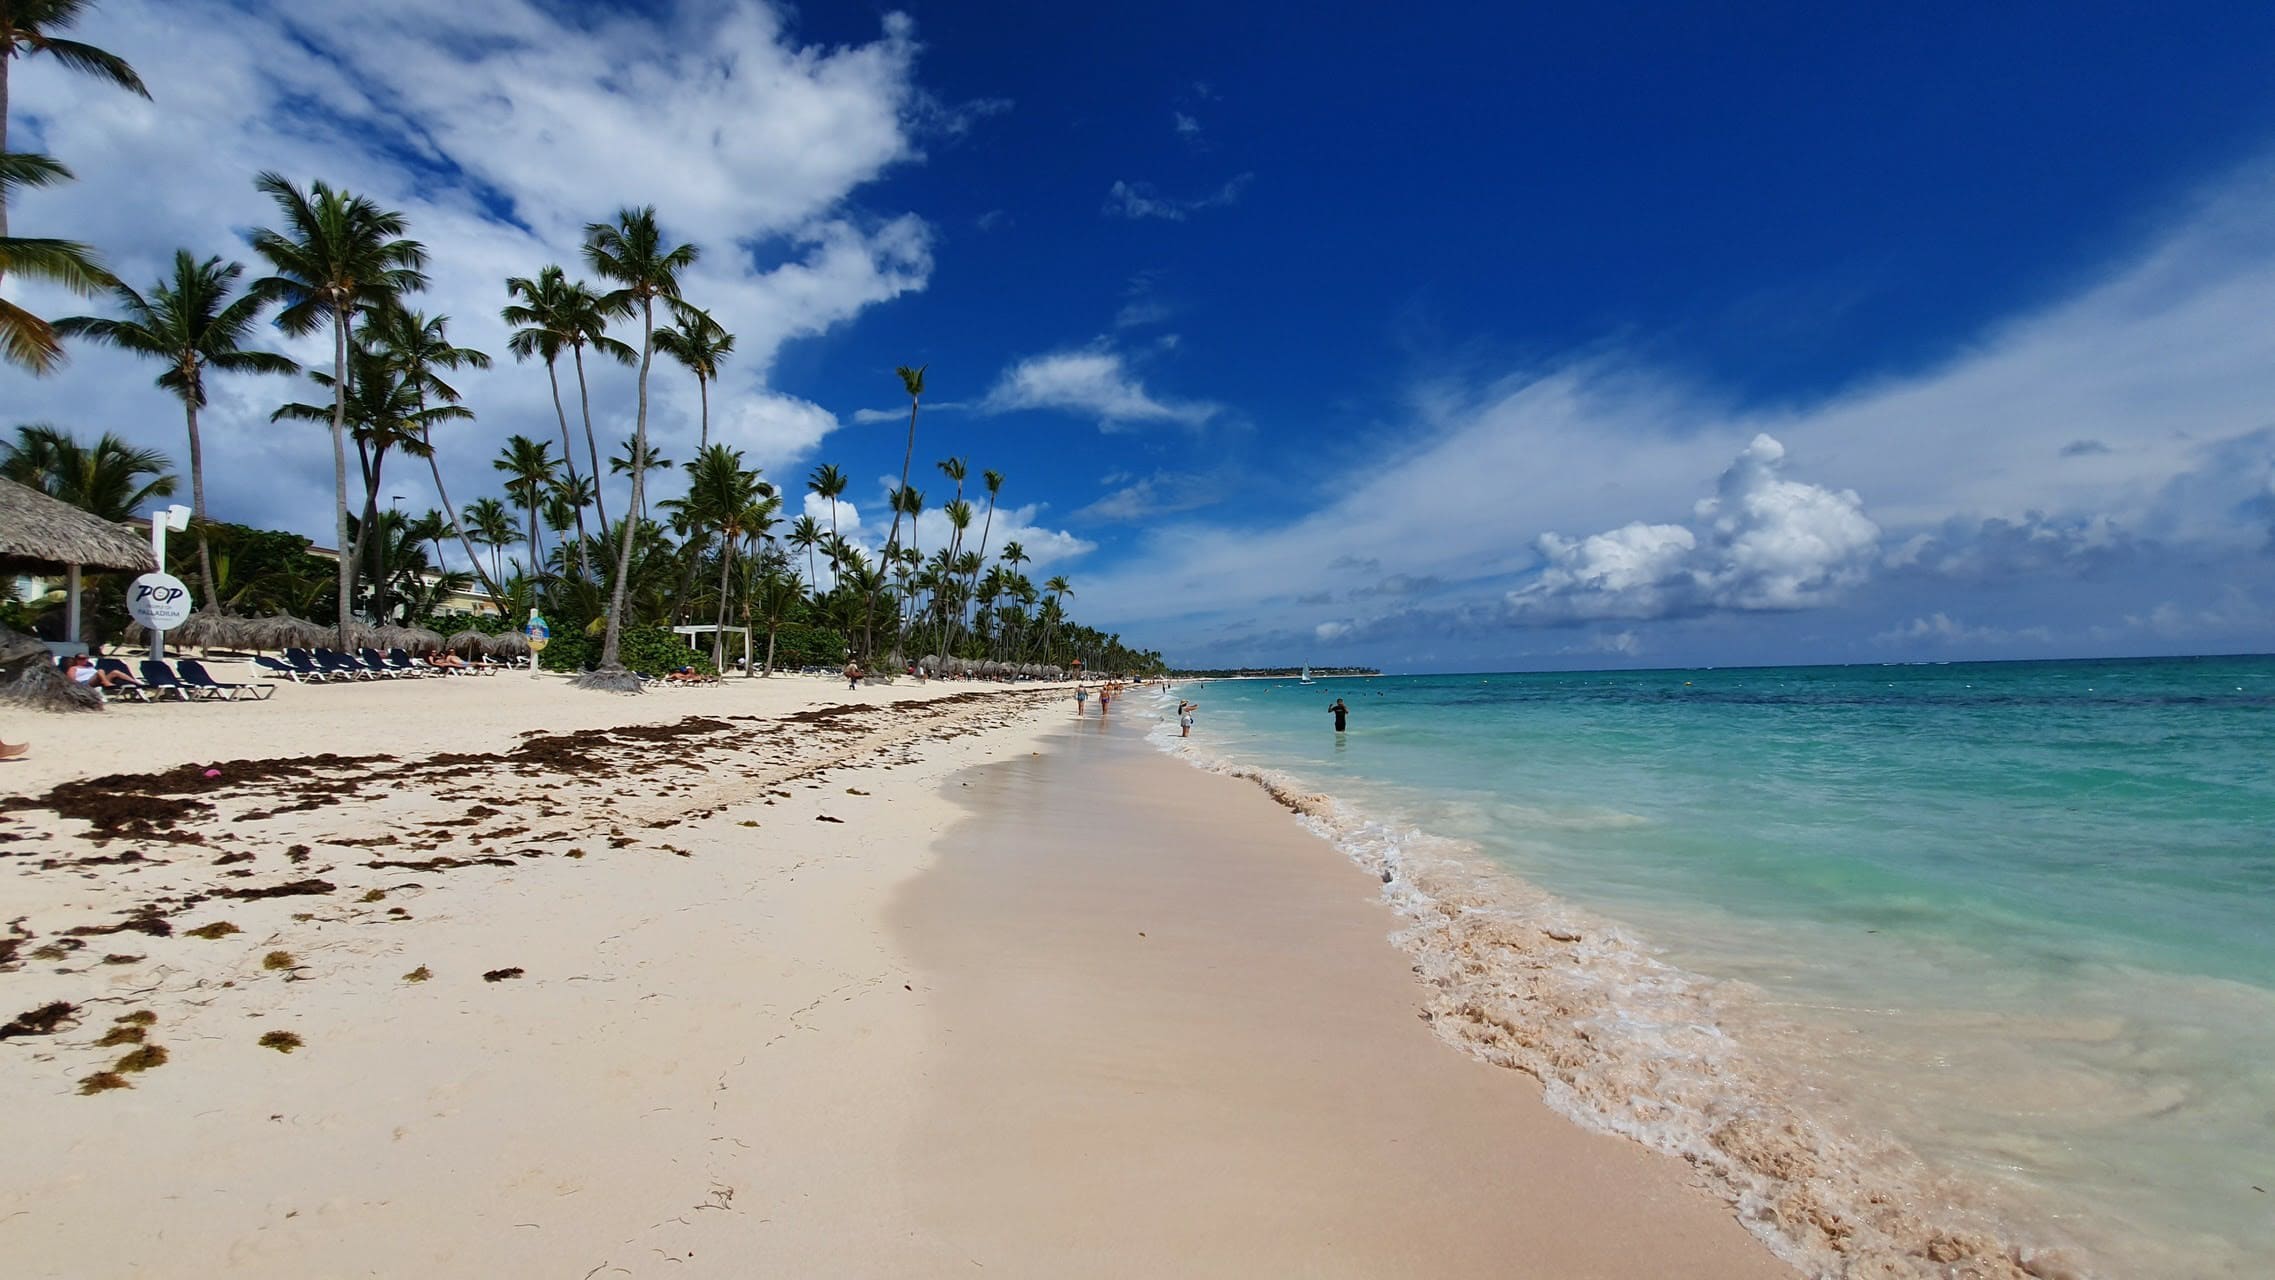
(766, 993)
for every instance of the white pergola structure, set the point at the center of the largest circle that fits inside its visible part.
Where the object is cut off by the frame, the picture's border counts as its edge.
(706, 629)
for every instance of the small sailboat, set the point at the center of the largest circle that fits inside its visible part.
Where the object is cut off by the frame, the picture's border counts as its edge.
(1307, 677)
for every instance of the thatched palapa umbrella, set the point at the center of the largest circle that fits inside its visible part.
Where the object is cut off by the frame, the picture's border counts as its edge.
(467, 642)
(42, 536)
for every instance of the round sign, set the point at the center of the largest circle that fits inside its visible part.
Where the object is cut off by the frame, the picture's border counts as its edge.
(159, 601)
(539, 634)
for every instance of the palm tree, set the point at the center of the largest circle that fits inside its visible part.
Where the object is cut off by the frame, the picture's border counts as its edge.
(632, 253)
(913, 381)
(724, 497)
(418, 348)
(700, 343)
(111, 479)
(338, 255)
(806, 535)
(25, 339)
(192, 324)
(1060, 589)
(385, 412)
(776, 600)
(829, 484)
(556, 314)
(651, 459)
(530, 468)
(492, 526)
(960, 521)
(994, 482)
(28, 27)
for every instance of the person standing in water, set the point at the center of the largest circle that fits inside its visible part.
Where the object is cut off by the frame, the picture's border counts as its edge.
(1081, 699)
(1185, 712)
(1339, 711)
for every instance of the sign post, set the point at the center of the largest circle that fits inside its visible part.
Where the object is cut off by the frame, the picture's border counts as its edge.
(159, 601)
(539, 636)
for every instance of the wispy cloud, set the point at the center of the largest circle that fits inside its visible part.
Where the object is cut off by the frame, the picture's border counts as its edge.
(1139, 200)
(1094, 382)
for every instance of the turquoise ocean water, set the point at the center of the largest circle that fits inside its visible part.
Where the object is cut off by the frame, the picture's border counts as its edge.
(2003, 934)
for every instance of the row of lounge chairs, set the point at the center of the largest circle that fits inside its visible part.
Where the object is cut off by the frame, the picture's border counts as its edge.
(329, 666)
(187, 679)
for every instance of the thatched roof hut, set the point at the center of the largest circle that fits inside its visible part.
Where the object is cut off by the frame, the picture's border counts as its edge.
(39, 534)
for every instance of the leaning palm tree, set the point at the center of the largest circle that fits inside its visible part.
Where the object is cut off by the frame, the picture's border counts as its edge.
(913, 381)
(994, 482)
(418, 348)
(339, 255)
(631, 252)
(700, 343)
(192, 324)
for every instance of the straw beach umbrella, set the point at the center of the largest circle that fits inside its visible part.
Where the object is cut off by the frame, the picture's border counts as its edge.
(47, 537)
(467, 642)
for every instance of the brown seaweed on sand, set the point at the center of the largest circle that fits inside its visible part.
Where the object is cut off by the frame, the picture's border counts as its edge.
(43, 1021)
(500, 975)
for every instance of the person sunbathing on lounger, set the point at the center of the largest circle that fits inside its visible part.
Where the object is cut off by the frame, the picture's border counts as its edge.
(83, 671)
(446, 660)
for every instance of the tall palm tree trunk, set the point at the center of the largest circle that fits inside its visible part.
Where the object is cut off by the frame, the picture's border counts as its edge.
(719, 637)
(473, 558)
(592, 447)
(703, 388)
(611, 645)
(569, 456)
(197, 504)
(339, 468)
(893, 539)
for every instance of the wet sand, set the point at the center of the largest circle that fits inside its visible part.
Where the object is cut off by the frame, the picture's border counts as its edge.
(1172, 1039)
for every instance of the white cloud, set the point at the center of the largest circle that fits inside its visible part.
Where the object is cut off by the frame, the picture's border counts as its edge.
(1763, 542)
(1140, 200)
(1328, 631)
(2165, 362)
(1941, 629)
(1093, 382)
(499, 129)
(1186, 126)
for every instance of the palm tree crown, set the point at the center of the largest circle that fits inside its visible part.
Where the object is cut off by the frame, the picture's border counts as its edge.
(190, 324)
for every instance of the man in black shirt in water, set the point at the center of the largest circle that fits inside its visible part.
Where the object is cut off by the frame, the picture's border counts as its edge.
(1340, 711)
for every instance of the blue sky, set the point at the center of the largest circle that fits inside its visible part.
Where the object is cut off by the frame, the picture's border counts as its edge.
(1479, 338)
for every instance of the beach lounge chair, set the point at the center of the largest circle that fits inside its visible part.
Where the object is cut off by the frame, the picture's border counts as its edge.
(195, 675)
(277, 667)
(399, 660)
(160, 677)
(306, 665)
(134, 688)
(377, 665)
(339, 664)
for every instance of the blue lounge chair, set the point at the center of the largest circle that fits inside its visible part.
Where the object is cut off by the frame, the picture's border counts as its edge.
(307, 666)
(160, 677)
(339, 664)
(375, 663)
(276, 667)
(195, 675)
(133, 687)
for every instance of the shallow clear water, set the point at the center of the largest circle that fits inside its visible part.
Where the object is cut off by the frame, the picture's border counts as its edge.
(2019, 915)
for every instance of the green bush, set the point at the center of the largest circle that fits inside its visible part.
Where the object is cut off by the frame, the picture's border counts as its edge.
(798, 645)
(651, 651)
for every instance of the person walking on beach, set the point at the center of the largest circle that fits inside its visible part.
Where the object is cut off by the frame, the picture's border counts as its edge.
(1340, 711)
(1185, 712)
(852, 675)
(1081, 699)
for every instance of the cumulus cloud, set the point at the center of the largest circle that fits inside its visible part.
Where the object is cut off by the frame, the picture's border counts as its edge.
(1094, 382)
(1141, 200)
(1763, 542)
(499, 129)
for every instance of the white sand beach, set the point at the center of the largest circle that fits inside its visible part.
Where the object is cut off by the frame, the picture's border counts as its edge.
(768, 978)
